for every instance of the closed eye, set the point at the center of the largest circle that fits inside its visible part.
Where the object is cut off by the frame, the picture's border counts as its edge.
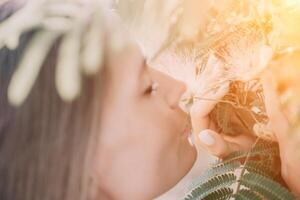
(151, 89)
(148, 90)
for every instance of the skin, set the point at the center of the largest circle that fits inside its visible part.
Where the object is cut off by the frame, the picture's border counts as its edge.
(288, 144)
(222, 145)
(143, 149)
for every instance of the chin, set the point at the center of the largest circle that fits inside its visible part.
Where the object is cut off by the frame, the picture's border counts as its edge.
(187, 160)
(191, 158)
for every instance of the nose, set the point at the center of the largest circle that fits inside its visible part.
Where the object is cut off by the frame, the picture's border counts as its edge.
(172, 89)
(177, 89)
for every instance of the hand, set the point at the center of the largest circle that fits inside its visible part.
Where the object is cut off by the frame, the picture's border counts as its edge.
(204, 129)
(288, 144)
(221, 145)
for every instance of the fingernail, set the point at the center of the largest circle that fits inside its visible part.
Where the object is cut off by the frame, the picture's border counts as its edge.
(206, 138)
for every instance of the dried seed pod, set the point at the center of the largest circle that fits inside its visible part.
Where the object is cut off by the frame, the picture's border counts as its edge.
(242, 108)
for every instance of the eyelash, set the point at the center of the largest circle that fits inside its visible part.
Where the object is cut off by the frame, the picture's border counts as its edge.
(152, 89)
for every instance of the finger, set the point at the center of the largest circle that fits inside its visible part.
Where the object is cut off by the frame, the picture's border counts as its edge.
(205, 104)
(218, 93)
(202, 107)
(211, 76)
(278, 121)
(213, 143)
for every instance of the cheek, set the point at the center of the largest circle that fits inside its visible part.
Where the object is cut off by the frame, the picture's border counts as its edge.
(142, 165)
(141, 151)
(162, 130)
(163, 145)
(157, 138)
(158, 161)
(160, 134)
(161, 118)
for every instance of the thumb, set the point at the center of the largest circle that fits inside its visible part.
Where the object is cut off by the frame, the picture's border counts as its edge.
(213, 143)
(200, 110)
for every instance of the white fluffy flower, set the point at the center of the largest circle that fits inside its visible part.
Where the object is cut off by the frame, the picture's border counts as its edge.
(79, 23)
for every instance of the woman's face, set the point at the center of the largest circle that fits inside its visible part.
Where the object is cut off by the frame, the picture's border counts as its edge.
(143, 148)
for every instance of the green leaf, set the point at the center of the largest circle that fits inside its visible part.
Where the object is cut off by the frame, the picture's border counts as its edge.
(259, 150)
(245, 194)
(264, 168)
(266, 187)
(257, 182)
(221, 194)
(218, 170)
(218, 182)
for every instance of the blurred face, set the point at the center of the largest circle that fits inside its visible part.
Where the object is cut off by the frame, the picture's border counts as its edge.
(143, 149)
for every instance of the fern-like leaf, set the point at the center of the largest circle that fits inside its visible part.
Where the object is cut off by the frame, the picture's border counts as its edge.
(221, 194)
(212, 185)
(267, 149)
(264, 168)
(258, 171)
(214, 171)
(266, 187)
(245, 194)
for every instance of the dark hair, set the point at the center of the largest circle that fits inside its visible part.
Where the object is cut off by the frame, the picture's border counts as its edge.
(45, 144)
